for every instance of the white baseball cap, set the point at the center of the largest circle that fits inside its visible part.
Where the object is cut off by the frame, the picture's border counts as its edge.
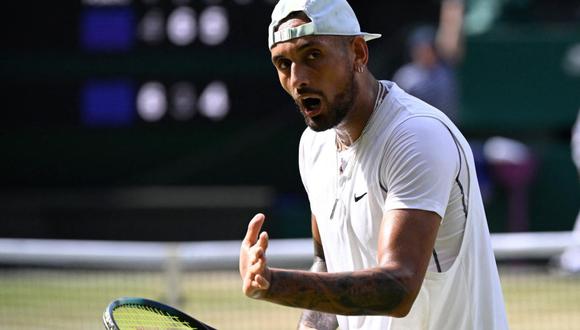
(327, 17)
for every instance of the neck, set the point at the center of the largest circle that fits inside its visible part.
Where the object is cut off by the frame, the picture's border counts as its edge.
(351, 128)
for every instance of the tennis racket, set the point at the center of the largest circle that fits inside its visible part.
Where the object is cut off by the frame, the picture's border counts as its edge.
(145, 314)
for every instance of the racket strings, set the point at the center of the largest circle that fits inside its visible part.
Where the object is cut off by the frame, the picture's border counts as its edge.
(145, 317)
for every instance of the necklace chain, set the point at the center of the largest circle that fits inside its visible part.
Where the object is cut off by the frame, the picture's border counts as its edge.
(351, 154)
(381, 93)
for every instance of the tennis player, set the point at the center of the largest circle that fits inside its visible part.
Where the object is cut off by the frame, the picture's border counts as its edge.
(400, 233)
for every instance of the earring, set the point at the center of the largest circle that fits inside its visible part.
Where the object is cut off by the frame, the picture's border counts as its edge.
(360, 68)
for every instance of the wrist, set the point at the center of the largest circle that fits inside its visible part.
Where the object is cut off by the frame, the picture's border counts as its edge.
(262, 285)
(269, 275)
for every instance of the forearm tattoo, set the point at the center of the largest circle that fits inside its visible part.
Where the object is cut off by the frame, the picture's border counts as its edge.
(367, 292)
(376, 291)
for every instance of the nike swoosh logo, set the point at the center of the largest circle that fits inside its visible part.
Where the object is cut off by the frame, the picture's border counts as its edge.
(357, 198)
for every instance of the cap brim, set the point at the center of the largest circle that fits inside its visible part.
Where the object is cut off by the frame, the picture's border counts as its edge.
(371, 36)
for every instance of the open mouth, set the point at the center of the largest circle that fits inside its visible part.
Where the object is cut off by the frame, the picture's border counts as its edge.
(311, 104)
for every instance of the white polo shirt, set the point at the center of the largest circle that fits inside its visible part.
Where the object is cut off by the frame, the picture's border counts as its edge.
(409, 156)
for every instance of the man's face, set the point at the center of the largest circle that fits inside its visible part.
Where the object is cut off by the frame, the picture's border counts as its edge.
(317, 72)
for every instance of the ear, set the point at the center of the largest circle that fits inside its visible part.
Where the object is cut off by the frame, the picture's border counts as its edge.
(361, 53)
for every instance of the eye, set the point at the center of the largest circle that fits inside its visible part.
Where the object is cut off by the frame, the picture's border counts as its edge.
(283, 64)
(313, 55)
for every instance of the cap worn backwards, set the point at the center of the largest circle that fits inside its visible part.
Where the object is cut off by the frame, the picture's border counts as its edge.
(327, 17)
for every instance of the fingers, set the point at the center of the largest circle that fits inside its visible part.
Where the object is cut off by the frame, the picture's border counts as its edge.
(256, 281)
(253, 268)
(263, 241)
(256, 253)
(254, 228)
(254, 247)
(259, 264)
(261, 283)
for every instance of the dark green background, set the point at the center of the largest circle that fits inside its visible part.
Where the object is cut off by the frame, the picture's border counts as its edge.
(512, 84)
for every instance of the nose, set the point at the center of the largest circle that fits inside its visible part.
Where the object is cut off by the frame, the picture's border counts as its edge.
(299, 76)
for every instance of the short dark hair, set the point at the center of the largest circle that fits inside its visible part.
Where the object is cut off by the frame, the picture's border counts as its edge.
(292, 15)
(344, 40)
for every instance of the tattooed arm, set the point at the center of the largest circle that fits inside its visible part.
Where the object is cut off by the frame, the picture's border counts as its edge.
(406, 241)
(314, 319)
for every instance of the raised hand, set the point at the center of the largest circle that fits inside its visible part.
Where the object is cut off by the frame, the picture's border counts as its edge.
(253, 268)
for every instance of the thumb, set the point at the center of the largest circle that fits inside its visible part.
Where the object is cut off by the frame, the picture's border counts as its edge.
(254, 228)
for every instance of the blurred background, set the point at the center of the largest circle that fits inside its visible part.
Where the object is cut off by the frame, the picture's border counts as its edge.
(140, 136)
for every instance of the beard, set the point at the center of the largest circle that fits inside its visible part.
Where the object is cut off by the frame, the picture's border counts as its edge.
(337, 110)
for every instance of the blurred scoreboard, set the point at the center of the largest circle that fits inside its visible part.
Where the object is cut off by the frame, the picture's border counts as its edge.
(121, 63)
(127, 63)
(157, 92)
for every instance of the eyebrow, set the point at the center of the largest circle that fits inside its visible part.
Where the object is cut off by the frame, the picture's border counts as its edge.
(306, 44)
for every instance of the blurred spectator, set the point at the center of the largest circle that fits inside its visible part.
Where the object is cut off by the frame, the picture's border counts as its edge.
(513, 165)
(449, 39)
(570, 259)
(428, 76)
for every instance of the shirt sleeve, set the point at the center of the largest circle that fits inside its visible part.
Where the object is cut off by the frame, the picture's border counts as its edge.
(420, 164)
(302, 159)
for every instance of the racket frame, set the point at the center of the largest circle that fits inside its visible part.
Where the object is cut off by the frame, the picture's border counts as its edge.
(110, 323)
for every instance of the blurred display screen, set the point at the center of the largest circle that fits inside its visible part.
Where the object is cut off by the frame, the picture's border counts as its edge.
(99, 92)
(121, 63)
